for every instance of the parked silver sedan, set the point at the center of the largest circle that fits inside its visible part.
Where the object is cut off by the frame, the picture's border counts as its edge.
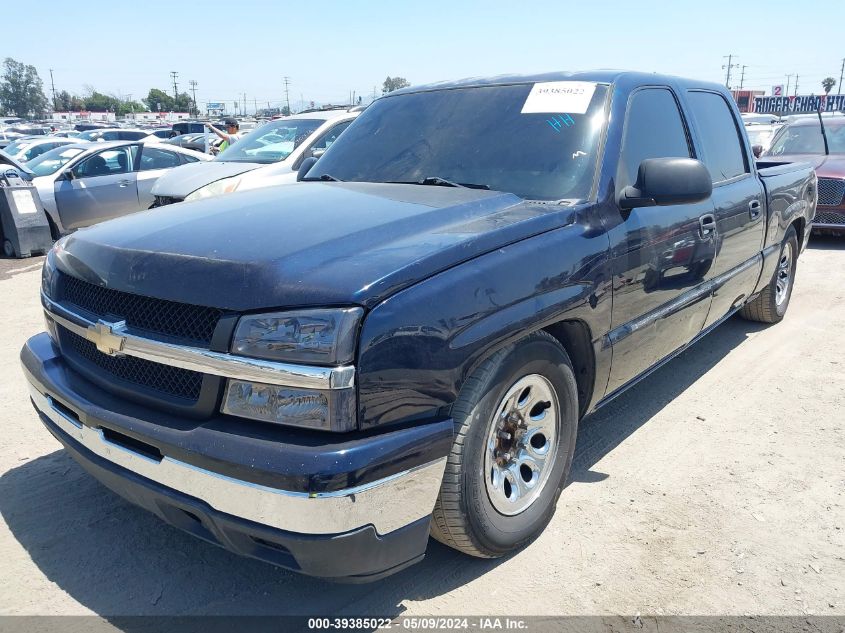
(85, 183)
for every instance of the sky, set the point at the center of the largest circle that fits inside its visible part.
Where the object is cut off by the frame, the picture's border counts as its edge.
(329, 49)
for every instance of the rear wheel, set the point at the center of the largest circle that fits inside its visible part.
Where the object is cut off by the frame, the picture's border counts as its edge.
(516, 420)
(771, 304)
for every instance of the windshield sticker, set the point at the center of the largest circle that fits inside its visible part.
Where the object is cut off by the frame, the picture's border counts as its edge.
(560, 121)
(559, 96)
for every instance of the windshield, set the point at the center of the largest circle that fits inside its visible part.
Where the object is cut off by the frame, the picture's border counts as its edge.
(271, 142)
(807, 139)
(478, 136)
(760, 136)
(50, 162)
(16, 147)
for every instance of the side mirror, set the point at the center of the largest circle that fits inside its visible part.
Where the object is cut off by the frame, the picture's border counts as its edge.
(317, 152)
(305, 167)
(667, 181)
(758, 150)
(67, 174)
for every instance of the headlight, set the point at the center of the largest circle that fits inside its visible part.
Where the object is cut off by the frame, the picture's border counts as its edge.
(320, 337)
(323, 410)
(218, 187)
(317, 337)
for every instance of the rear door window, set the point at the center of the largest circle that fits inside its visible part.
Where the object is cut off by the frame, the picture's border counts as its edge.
(721, 144)
(155, 158)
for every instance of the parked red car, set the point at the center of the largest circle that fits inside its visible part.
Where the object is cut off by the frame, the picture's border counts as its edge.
(802, 141)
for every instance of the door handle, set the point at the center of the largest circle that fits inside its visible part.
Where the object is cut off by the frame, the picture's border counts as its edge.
(754, 209)
(124, 183)
(707, 225)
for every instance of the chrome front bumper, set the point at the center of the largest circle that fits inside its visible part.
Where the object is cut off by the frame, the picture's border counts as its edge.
(388, 504)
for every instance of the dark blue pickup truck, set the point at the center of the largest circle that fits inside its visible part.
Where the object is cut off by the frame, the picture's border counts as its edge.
(321, 375)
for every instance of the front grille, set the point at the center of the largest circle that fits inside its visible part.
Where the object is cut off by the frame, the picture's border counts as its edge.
(829, 217)
(831, 191)
(164, 379)
(190, 323)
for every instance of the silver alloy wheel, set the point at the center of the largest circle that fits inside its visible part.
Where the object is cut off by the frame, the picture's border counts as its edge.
(784, 273)
(521, 444)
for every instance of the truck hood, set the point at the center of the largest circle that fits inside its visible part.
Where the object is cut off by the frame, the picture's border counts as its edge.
(179, 182)
(306, 244)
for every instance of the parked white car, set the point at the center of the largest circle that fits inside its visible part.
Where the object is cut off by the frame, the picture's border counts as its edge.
(81, 184)
(269, 155)
(760, 136)
(29, 147)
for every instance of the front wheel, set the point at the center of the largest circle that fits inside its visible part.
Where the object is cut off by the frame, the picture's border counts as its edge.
(516, 420)
(771, 304)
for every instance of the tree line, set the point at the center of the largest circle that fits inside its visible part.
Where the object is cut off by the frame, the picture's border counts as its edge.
(22, 95)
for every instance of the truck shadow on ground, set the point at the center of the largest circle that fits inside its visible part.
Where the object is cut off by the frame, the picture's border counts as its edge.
(827, 242)
(115, 559)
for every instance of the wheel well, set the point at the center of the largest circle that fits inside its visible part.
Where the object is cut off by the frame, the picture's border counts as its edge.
(575, 338)
(799, 228)
(54, 230)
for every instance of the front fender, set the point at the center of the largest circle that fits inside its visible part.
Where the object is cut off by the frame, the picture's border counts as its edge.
(418, 346)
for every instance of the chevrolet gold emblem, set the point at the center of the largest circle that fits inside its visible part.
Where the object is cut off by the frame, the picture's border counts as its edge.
(106, 337)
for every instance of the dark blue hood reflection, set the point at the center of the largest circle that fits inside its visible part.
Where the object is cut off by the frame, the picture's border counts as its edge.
(303, 244)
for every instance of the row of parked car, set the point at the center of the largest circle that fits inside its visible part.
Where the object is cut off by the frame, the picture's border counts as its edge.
(100, 174)
(105, 173)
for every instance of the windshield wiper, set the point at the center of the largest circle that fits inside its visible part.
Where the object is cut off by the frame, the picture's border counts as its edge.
(325, 178)
(437, 181)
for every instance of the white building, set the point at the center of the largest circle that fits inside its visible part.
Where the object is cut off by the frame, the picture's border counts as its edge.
(84, 116)
(158, 117)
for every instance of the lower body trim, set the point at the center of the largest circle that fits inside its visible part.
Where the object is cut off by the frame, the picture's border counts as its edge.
(387, 504)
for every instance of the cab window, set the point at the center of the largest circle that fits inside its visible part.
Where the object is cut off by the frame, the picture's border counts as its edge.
(653, 129)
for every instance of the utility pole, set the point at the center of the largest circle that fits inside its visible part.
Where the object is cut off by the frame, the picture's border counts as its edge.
(838, 86)
(131, 106)
(287, 92)
(786, 92)
(742, 76)
(194, 92)
(729, 66)
(174, 75)
(244, 104)
(796, 85)
(53, 85)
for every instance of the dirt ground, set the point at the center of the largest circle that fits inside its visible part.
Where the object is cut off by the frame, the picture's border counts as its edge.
(714, 487)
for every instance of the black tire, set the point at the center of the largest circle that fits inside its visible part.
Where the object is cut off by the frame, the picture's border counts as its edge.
(8, 248)
(464, 516)
(765, 308)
